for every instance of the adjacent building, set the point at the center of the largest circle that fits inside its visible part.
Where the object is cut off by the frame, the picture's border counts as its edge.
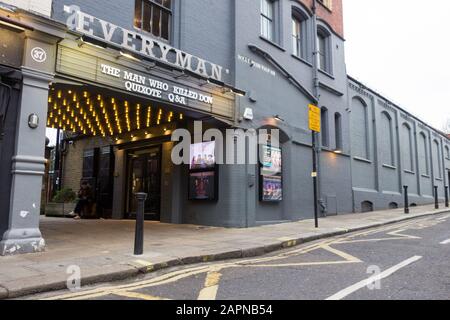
(120, 77)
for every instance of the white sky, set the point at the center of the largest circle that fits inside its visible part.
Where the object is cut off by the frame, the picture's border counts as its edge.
(401, 48)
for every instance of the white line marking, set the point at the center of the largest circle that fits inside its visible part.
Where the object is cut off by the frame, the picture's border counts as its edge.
(446, 241)
(346, 292)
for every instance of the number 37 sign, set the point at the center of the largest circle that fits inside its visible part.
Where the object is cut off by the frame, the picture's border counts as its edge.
(38, 54)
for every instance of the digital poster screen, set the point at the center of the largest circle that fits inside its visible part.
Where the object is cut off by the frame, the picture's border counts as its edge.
(202, 185)
(271, 161)
(202, 156)
(272, 188)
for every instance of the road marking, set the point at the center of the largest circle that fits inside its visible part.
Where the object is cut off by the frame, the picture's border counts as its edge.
(325, 246)
(209, 292)
(404, 236)
(182, 274)
(136, 295)
(346, 292)
(446, 241)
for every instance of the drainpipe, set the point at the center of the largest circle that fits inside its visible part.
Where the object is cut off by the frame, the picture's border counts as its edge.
(316, 93)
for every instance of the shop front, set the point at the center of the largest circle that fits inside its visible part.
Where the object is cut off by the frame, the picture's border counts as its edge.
(118, 110)
(116, 104)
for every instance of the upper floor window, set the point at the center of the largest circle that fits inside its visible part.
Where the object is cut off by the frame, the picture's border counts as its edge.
(324, 129)
(154, 16)
(324, 53)
(267, 19)
(299, 34)
(407, 148)
(338, 131)
(424, 155)
(296, 37)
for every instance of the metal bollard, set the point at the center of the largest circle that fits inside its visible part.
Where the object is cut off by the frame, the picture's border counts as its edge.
(406, 199)
(139, 235)
(436, 198)
(446, 197)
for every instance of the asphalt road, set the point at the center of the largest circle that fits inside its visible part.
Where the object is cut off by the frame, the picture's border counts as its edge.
(405, 261)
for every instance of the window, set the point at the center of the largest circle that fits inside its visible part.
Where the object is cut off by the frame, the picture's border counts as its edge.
(296, 37)
(447, 152)
(360, 129)
(387, 140)
(407, 148)
(324, 130)
(323, 50)
(267, 20)
(338, 131)
(423, 155)
(154, 16)
(437, 160)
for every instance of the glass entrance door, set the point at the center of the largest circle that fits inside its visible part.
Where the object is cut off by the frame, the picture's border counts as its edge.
(145, 176)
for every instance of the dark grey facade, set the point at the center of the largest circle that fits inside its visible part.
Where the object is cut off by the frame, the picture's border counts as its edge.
(370, 148)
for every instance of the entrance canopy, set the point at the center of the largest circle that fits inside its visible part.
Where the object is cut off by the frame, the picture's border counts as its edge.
(93, 111)
(89, 110)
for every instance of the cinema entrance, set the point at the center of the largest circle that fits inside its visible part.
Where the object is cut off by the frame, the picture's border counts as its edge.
(144, 175)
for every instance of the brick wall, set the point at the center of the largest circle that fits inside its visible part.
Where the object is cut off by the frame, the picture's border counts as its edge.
(43, 7)
(334, 17)
(73, 160)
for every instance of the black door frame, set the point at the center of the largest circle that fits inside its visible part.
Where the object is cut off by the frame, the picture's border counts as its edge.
(128, 214)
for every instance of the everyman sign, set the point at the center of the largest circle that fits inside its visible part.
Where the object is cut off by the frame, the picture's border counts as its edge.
(314, 118)
(139, 44)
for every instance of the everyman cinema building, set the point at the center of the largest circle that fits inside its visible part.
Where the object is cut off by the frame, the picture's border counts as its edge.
(118, 78)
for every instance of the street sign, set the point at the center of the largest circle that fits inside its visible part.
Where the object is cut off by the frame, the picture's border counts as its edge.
(314, 118)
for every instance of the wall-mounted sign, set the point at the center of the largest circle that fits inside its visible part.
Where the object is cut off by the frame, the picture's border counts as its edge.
(272, 189)
(271, 160)
(139, 44)
(202, 155)
(154, 88)
(252, 63)
(202, 185)
(271, 174)
(203, 172)
(83, 64)
(314, 118)
(38, 54)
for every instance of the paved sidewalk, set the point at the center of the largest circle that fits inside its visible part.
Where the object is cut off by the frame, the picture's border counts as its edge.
(103, 249)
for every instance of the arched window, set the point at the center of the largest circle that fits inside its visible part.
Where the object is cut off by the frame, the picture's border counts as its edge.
(407, 148)
(387, 140)
(338, 131)
(325, 132)
(437, 164)
(299, 33)
(360, 129)
(324, 50)
(447, 152)
(424, 158)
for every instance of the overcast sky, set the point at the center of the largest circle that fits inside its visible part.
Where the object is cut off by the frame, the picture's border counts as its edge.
(401, 48)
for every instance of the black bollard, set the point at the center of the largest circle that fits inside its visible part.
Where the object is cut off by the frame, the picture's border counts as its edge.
(139, 235)
(406, 199)
(436, 198)
(446, 197)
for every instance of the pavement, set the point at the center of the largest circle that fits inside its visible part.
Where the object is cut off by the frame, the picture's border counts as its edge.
(101, 251)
